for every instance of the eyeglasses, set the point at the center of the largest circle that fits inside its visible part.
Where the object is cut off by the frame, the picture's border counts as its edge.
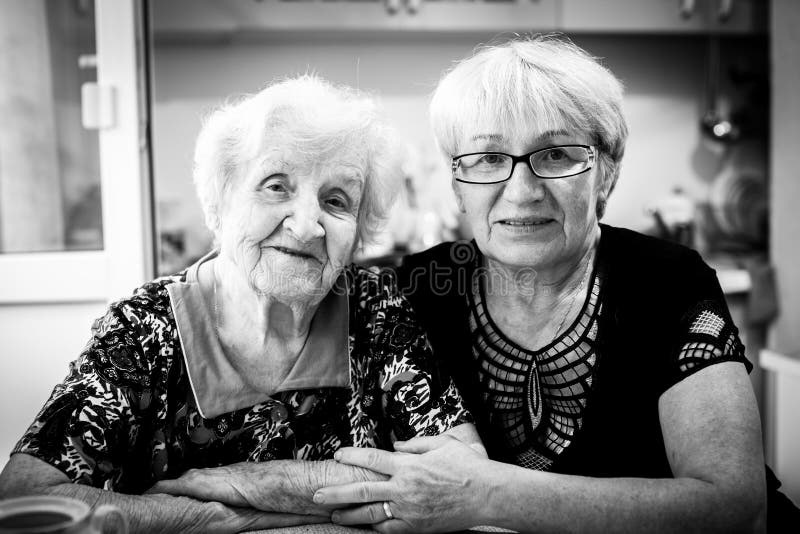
(547, 163)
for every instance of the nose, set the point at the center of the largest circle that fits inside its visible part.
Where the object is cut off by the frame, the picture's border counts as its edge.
(303, 220)
(524, 186)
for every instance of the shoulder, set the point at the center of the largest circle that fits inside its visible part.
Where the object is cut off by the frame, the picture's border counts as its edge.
(447, 254)
(372, 286)
(655, 281)
(132, 337)
(649, 265)
(627, 247)
(382, 311)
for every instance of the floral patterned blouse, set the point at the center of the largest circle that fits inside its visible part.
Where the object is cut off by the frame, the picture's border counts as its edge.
(126, 417)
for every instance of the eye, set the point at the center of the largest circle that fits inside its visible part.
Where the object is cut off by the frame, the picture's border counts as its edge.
(490, 159)
(556, 154)
(338, 202)
(275, 183)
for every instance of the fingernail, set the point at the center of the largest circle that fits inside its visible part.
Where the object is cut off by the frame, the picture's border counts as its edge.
(337, 455)
(335, 517)
(319, 498)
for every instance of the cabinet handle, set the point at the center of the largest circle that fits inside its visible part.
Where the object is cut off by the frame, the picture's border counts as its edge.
(412, 6)
(392, 6)
(687, 9)
(725, 10)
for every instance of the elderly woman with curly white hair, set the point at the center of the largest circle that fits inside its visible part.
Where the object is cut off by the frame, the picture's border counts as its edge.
(606, 376)
(211, 400)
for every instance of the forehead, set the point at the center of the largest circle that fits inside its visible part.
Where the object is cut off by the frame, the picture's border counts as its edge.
(343, 154)
(525, 136)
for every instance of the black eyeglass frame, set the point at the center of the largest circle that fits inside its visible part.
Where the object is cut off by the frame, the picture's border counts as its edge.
(526, 158)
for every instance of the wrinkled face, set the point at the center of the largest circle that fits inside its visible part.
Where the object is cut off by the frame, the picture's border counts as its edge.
(289, 222)
(527, 221)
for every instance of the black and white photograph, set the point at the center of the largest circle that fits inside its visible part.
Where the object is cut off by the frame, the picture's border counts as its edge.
(404, 266)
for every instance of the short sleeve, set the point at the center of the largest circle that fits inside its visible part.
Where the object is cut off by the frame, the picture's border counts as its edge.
(86, 426)
(417, 397)
(707, 334)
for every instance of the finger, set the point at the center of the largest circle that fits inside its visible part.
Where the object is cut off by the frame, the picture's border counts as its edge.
(250, 519)
(394, 526)
(356, 493)
(368, 514)
(169, 487)
(373, 459)
(422, 444)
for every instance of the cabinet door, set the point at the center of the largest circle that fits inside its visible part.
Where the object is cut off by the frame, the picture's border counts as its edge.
(176, 19)
(737, 16)
(481, 15)
(664, 16)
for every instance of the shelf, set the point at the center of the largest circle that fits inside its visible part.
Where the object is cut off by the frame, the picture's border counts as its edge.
(786, 365)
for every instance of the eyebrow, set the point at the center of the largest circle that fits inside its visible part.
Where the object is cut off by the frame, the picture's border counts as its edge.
(353, 181)
(541, 137)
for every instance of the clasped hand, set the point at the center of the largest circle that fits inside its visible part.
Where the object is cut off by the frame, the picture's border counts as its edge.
(281, 486)
(431, 486)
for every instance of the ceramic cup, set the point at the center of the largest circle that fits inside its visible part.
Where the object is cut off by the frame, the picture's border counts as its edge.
(53, 514)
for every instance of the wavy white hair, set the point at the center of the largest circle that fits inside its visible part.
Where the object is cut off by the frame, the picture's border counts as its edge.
(545, 79)
(314, 118)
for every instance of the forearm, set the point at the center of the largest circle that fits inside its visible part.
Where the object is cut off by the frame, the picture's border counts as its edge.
(167, 513)
(281, 486)
(533, 501)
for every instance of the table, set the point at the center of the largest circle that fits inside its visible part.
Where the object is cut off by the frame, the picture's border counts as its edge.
(329, 528)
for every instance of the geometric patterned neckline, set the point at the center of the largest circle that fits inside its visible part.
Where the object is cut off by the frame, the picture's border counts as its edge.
(535, 399)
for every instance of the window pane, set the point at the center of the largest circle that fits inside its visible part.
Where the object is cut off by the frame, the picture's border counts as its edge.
(49, 164)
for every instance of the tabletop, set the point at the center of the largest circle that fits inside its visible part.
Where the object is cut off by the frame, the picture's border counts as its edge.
(329, 528)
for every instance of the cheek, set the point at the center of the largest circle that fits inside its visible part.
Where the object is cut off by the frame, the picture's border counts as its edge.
(340, 237)
(578, 204)
(477, 204)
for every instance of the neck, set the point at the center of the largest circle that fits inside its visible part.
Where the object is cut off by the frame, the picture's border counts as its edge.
(539, 289)
(532, 307)
(261, 336)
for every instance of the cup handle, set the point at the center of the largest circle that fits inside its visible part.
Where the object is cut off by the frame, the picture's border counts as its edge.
(100, 517)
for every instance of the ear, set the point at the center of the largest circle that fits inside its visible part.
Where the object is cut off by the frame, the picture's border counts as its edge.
(459, 199)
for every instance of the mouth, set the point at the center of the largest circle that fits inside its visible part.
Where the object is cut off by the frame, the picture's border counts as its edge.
(525, 222)
(296, 253)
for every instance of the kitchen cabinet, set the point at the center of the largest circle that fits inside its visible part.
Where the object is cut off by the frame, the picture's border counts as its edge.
(179, 18)
(664, 16)
(229, 18)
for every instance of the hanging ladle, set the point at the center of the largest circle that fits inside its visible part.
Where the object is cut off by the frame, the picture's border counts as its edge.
(717, 122)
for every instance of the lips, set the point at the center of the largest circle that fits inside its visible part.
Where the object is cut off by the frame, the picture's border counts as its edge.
(524, 222)
(296, 253)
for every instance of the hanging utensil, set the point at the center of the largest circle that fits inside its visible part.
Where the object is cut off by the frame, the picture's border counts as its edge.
(717, 122)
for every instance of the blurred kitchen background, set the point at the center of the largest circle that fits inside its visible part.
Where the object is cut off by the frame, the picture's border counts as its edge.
(101, 102)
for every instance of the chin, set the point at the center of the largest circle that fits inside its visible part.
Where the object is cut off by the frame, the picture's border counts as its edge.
(290, 283)
(520, 254)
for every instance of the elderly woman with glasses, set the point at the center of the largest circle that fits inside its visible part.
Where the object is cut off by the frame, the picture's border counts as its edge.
(607, 379)
(222, 391)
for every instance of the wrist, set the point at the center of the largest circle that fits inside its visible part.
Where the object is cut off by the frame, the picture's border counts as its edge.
(492, 496)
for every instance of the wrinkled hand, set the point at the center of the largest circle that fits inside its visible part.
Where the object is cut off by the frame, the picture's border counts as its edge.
(283, 486)
(433, 486)
(219, 518)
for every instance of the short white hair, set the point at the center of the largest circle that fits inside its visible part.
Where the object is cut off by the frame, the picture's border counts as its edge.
(318, 118)
(545, 79)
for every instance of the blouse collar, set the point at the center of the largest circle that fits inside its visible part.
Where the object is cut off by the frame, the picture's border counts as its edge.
(324, 360)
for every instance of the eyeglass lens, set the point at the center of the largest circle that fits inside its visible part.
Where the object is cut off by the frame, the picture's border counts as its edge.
(556, 162)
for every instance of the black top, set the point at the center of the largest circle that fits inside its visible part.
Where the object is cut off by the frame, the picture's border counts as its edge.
(652, 291)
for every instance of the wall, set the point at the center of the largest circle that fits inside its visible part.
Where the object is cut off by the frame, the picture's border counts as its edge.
(665, 99)
(784, 231)
(38, 343)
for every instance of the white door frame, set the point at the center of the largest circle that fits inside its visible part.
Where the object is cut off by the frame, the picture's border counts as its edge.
(127, 258)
